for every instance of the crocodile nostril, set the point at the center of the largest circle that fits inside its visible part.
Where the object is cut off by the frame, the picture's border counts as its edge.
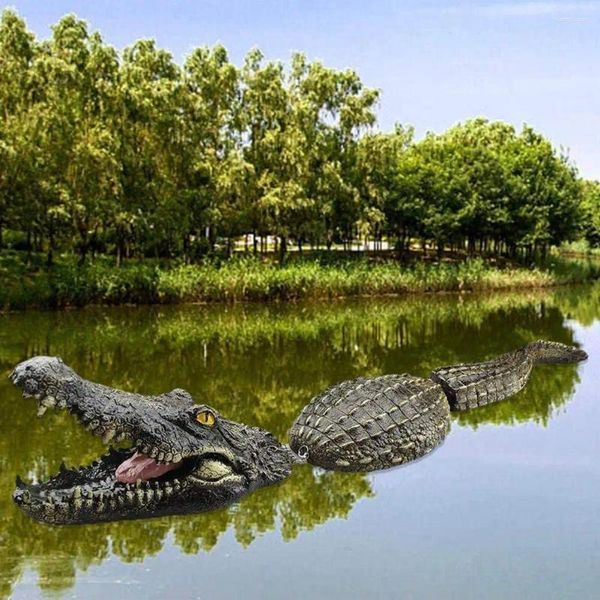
(303, 451)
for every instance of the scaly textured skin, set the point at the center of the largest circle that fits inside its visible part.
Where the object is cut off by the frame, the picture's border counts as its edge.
(477, 384)
(218, 464)
(358, 425)
(368, 424)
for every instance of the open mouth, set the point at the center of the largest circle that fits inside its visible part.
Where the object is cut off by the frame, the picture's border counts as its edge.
(141, 479)
(184, 457)
(120, 481)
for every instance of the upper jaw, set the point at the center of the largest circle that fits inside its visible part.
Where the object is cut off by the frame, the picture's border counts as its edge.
(161, 427)
(147, 422)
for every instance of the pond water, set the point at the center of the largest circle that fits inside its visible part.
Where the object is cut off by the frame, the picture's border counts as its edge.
(508, 506)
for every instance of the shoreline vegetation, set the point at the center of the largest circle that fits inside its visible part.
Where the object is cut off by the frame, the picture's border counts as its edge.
(128, 178)
(134, 155)
(245, 278)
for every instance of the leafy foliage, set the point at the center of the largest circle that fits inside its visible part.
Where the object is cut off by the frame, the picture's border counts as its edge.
(131, 154)
(249, 279)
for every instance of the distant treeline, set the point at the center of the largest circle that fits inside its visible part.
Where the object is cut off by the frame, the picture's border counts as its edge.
(133, 155)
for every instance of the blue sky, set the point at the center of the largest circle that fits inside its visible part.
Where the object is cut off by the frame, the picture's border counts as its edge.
(436, 63)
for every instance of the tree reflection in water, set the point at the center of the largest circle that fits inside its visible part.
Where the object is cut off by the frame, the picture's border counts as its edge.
(260, 365)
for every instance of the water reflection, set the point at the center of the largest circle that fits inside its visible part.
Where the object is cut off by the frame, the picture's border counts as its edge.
(259, 365)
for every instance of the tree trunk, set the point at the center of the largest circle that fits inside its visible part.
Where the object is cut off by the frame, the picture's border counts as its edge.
(400, 245)
(82, 253)
(50, 254)
(29, 247)
(282, 249)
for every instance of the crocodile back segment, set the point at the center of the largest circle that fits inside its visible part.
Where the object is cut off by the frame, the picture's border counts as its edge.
(369, 424)
(477, 384)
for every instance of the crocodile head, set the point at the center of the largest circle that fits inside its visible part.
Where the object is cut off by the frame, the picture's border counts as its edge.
(183, 457)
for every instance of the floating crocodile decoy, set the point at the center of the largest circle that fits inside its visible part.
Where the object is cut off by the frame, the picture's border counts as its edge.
(187, 458)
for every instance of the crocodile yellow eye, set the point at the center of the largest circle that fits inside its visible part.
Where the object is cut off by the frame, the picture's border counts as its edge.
(205, 417)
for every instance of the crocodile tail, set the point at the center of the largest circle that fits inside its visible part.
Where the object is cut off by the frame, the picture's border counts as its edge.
(544, 352)
(477, 384)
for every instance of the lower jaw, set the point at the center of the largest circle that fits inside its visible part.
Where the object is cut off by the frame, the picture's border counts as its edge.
(127, 501)
(133, 501)
(132, 507)
(92, 494)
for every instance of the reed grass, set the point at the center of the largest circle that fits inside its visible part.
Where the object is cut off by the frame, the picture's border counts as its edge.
(249, 279)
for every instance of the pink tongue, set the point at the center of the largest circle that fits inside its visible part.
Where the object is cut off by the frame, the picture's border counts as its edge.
(140, 466)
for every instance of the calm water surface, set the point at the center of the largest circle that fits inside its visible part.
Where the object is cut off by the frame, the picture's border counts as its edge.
(507, 507)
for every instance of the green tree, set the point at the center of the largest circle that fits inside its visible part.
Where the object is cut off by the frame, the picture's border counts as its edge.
(590, 205)
(17, 51)
(216, 172)
(153, 149)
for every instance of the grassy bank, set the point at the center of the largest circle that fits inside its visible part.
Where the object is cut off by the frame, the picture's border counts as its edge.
(150, 282)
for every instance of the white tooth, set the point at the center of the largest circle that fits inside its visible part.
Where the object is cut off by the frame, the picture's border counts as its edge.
(140, 497)
(161, 456)
(149, 494)
(138, 483)
(41, 410)
(108, 436)
(62, 403)
(177, 458)
(130, 495)
(77, 492)
(168, 457)
(48, 401)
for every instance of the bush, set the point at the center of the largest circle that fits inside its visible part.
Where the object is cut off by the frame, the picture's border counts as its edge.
(243, 279)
